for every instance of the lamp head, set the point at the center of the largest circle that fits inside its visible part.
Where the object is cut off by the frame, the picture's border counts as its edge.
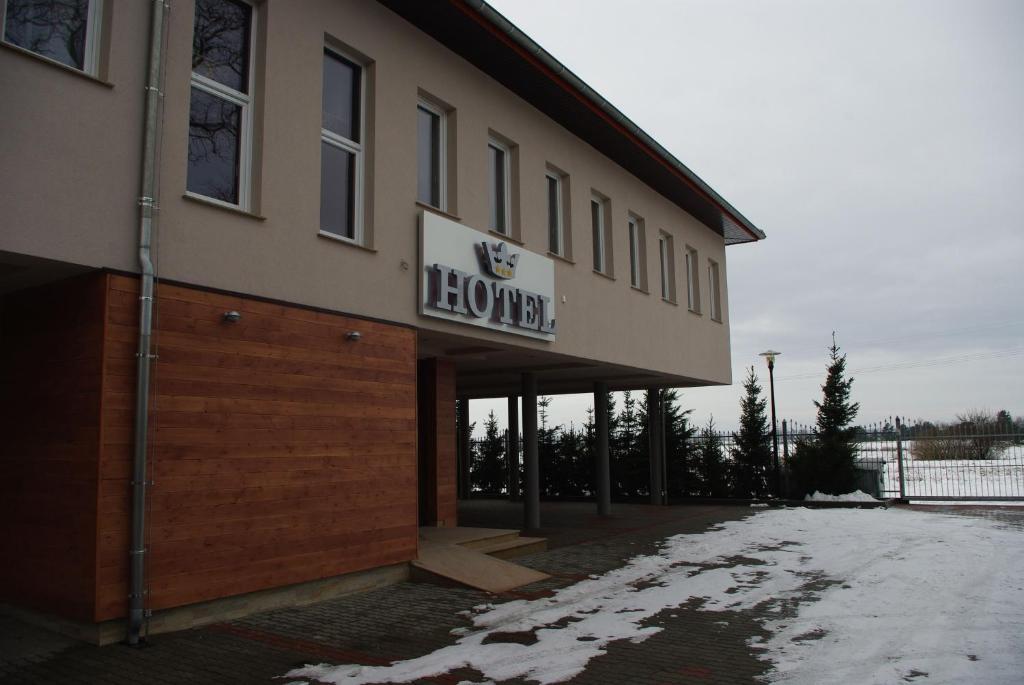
(770, 355)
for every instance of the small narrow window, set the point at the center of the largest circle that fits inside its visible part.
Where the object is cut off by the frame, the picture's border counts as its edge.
(430, 155)
(556, 233)
(634, 252)
(498, 186)
(715, 291)
(692, 282)
(341, 148)
(597, 225)
(665, 257)
(66, 31)
(220, 112)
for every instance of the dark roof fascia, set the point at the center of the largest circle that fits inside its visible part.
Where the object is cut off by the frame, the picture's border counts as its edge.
(477, 32)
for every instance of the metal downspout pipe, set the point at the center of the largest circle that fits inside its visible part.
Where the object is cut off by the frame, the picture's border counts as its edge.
(147, 210)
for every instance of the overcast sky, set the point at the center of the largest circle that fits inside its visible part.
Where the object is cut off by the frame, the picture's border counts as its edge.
(879, 144)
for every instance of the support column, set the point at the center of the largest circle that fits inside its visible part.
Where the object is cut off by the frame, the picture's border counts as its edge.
(465, 486)
(654, 442)
(512, 453)
(602, 466)
(437, 443)
(531, 497)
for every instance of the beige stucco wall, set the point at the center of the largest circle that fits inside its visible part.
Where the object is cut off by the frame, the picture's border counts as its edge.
(69, 182)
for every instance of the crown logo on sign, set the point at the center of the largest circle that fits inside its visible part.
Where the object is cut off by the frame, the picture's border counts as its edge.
(498, 261)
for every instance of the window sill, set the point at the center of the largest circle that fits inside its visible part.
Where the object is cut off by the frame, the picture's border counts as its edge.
(505, 236)
(561, 258)
(440, 212)
(345, 241)
(209, 202)
(717, 320)
(54, 63)
(695, 312)
(645, 291)
(604, 275)
(671, 302)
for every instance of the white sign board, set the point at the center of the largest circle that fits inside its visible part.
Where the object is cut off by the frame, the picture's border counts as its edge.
(478, 279)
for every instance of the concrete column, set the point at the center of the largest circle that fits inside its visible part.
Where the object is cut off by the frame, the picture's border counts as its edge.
(531, 498)
(655, 444)
(512, 457)
(465, 488)
(602, 465)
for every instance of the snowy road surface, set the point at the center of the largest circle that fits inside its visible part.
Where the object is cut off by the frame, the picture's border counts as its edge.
(852, 596)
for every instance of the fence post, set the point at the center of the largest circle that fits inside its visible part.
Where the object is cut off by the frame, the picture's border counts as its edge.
(785, 459)
(899, 457)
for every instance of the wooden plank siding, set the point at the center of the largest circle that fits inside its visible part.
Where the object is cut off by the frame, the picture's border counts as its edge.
(437, 467)
(51, 354)
(280, 451)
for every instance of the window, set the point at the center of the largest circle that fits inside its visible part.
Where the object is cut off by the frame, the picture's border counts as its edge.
(341, 149)
(430, 155)
(692, 282)
(668, 286)
(556, 229)
(66, 32)
(498, 174)
(635, 253)
(220, 112)
(597, 228)
(716, 292)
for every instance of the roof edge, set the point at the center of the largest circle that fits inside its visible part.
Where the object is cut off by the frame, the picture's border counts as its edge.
(498, 21)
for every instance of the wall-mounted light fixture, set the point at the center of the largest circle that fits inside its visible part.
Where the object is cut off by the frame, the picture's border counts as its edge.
(353, 336)
(232, 316)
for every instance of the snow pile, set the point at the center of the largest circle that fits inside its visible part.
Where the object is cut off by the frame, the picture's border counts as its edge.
(855, 496)
(887, 595)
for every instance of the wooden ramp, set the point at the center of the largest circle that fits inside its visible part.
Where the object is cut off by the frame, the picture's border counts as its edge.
(468, 556)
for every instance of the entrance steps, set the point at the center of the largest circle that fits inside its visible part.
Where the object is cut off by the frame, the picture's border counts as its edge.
(476, 557)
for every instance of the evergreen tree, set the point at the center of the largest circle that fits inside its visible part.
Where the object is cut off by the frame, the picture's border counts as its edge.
(827, 461)
(713, 469)
(488, 460)
(630, 468)
(547, 456)
(752, 445)
(679, 435)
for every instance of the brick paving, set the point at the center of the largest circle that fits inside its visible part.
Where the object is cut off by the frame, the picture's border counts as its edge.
(412, 619)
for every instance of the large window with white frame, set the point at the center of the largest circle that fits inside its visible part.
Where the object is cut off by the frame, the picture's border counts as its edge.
(341, 148)
(220, 104)
(65, 31)
(666, 260)
(431, 152)
(556, 226)
(715, 291)
(692, 281)
(499, 163)
(636, 252)
(598, 232)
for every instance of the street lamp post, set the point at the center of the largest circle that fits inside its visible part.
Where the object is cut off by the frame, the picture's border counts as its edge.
(770, 356)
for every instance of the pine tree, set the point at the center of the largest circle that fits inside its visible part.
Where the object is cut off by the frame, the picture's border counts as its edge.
(630, 468)
(713, 470)
(678, 440)
(827, 461)
(546, 451)
(488, 465)
(752, 450)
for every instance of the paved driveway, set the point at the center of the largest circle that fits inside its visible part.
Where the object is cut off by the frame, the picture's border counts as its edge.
(410, 619)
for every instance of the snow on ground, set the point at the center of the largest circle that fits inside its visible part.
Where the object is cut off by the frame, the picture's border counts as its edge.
(882, 596)
(958, 478)
(855, 496)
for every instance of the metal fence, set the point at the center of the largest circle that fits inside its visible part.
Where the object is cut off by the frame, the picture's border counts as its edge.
(972, 459)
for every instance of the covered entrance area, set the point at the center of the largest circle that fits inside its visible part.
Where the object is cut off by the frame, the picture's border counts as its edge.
(454, 370)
